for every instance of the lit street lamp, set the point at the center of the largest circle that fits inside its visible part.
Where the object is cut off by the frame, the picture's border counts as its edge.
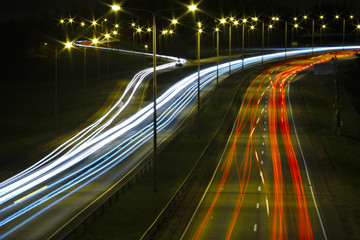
(67, 45)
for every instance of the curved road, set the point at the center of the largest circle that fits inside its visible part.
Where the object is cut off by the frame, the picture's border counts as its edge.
(261, 188)
(37, 201)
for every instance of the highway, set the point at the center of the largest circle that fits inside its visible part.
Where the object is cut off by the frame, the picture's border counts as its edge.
(42, 199)
(261, 188)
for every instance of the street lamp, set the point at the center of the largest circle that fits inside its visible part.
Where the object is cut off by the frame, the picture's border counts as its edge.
(217, 63)
(198, 82)
(67, 45)
(357, 32)
(154, 14)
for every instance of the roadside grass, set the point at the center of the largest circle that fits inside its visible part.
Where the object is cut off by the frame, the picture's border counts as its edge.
(343, 151)
(139, 206)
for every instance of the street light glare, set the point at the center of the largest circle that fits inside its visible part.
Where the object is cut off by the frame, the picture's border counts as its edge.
(223, 20)
(174, 21)
(115, 7)
(217, 29)
(323, 26)
(192, 8)
(107, 36)
(95, 41)
(68, 44)
(236, 22)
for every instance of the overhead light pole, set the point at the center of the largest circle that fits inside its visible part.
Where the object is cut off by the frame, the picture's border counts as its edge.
(191, 8)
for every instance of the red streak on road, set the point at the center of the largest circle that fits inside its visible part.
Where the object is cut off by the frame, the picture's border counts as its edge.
(275, 80)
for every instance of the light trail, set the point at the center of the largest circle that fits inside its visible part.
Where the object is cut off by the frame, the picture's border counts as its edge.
(274, 81)
(77, 161)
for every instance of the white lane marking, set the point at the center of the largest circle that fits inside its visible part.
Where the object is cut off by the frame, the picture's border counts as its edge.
(305, 165)
(255, 227)
(257, 205)
(259, 188)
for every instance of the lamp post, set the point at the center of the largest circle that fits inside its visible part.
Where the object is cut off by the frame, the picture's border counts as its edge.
(217, 63)
(198, 81)
(357, 32)
(154, 14)
(285, 38)
(68, 45)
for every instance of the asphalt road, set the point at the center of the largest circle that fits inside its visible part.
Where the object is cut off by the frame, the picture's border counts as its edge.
(261, 187)
(42, 199)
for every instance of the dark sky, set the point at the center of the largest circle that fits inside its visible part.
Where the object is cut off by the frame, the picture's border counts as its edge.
(21, 8)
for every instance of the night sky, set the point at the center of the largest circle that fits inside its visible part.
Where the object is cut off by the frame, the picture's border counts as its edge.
(25, 8)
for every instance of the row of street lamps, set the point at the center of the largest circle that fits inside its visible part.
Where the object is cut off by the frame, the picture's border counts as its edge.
(231, 21)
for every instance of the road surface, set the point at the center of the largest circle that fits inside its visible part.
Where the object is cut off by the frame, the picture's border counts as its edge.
(47, 196)
(261, 188)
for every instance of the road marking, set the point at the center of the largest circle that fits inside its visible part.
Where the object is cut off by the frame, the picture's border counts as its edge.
(30, 194)
(262, 162)
(263, 143)
(262, 152)
(267, 207)
(259, 188)
(263, 135)
(257, 205)
(255, 227)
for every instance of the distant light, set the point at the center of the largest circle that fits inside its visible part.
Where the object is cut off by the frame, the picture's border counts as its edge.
(252, 27)
(171, 31)
(351, 16)
(93, 23)
(115, 7)
(164, 32)
(231, 19)
(148, 29)
(174, 21)
(323, 26)
(199, 24)
(296, 25)
(305, 17)
(255, 19)
(273, 18)
(337, 16)
(244, 20)
(321, 17)
(295, 18)
(277, 19)
(270, 26)
(138, 30)
(107, 36)
(82, 24)
(200, 30)
(217, 29)
(358, 26)
(115, 32)
(146, 46)
(95, 41)
(62, 21)
(45, 44)
(105, 19)
(223, 20)
(116, 25)
(133, 24)
(236, 22)
(71, 20)
(68, 44)
(192, 7)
